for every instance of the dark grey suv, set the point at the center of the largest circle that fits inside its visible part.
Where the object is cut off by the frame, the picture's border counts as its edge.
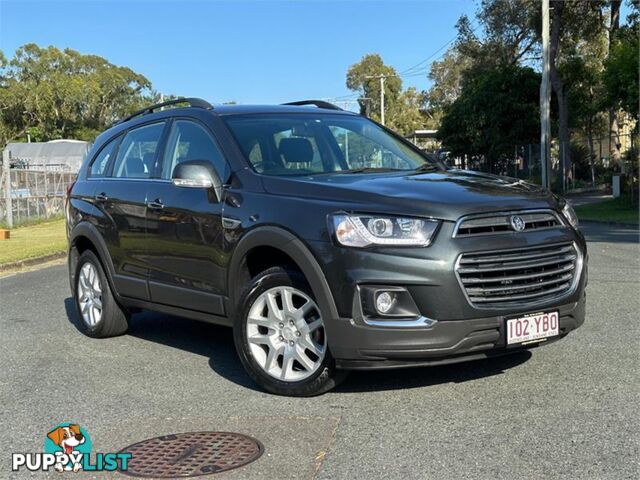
(325, 240)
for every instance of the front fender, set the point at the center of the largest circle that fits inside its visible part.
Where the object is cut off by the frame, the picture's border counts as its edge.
(271, 236)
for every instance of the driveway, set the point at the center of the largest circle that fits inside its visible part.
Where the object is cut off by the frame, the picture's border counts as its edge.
(568, 410)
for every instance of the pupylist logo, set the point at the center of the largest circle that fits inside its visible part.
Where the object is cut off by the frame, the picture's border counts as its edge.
(67, 448)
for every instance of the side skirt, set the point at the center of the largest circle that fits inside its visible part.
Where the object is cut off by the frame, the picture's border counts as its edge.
(177, 311)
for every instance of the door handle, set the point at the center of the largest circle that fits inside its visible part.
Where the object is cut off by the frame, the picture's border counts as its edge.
(101, 197)
(156, 204)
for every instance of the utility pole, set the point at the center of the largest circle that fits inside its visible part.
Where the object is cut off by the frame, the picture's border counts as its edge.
(6, 167)
(382, 78)
(382, 99)
(545, 98)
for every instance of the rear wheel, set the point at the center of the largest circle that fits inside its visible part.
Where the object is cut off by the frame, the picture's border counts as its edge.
(280, 336)
(99, 313)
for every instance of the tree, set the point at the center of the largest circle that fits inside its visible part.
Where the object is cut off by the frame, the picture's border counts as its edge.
(614, 134)
(621, 72)
(495, 111)
(54, 93)
(402, 108)
(447, 76)
(405, 115)
(585, 93)
(363, 77)
(508, 37)
(509, 33)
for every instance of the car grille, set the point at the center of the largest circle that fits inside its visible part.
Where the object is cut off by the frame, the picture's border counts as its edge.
(522, 276)
(501, 223)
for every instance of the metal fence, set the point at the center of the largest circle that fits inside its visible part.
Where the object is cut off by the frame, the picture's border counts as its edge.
(32, 194)
(590, 163)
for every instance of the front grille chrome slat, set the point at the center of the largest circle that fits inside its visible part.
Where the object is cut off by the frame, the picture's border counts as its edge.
(518, 256)
(494, 267)
(561, 270)
(522, 297)
(518, 276)
(520, 286)
(499, 223)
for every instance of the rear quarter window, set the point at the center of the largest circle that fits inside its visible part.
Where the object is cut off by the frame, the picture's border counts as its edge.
(100, 163)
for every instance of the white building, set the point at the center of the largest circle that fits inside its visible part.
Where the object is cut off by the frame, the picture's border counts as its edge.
(56, 155)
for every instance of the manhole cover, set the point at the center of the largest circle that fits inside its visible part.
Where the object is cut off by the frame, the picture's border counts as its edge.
(191, 454)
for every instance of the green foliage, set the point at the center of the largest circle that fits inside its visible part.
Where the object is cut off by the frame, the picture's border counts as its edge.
(402, 108)
(496, 110)
(361, 77)
(621, 71)
(622, 210)
(509, 33)
(54, 93)
(447, 76)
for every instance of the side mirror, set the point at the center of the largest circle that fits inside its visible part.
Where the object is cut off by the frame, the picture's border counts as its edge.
(197, 174)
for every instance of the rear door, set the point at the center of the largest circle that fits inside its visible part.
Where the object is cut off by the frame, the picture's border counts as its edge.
(120, 201)
(185, 253)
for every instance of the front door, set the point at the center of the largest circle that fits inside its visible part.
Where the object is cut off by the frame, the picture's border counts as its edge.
(184, 226)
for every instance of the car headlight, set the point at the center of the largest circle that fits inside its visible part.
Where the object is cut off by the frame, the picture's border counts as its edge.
(570, 214)
(365, 230)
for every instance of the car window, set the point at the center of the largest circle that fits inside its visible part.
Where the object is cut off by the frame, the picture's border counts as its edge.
(191, 141)
(362, 152)
(305, 143)
(137, 152)
(101, 161)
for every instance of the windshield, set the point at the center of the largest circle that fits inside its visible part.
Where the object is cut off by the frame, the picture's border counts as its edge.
(306, 144)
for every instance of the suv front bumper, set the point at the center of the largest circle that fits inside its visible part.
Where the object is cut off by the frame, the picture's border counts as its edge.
(461, 331)
(366, 347)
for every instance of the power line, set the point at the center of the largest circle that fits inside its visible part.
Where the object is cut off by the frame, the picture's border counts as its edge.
(412, 72)
(417, 70)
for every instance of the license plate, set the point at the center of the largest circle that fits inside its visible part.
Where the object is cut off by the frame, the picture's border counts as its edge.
(532, 327)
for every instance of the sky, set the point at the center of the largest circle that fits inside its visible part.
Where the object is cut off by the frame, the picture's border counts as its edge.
(244, 51)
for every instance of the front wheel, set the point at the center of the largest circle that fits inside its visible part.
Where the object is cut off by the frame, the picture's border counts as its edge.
(280, 336)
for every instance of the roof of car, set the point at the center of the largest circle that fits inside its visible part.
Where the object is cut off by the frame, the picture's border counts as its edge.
(249, 109)
(224, 110)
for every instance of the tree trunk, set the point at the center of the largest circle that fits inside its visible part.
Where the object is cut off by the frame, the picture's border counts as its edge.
(614, 129)
(558, 88)
(591, 152)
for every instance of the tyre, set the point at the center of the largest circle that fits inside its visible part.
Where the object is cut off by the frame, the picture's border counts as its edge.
(99, 314)
(280, 336)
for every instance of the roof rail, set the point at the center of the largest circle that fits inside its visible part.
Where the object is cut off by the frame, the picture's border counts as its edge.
(193, 102)
(317, 103)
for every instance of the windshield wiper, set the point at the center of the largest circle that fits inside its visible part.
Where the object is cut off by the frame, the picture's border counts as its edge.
(369, 170)
(426, 167)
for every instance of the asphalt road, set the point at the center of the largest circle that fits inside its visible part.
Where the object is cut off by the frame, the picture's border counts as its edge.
(568, 410)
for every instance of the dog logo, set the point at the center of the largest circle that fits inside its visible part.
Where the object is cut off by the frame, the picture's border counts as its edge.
(517, 223)
(67, 448)
(69, 442)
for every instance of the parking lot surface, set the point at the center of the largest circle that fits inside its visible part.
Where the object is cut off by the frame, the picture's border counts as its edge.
(568, 410)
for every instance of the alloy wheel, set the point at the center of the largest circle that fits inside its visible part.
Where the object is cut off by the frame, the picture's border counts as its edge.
(286, 334)
(90, 295)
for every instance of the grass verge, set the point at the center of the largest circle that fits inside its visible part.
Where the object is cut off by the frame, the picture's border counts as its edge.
(615, 210)
(33, 241)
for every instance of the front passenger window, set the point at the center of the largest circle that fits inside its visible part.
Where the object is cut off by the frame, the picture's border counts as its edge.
(190, 141)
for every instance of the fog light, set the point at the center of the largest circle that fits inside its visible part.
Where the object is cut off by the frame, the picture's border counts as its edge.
(385, 301)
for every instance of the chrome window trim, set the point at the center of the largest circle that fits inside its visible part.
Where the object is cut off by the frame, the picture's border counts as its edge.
(523, 305)
(126, 179)
(472, 216)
